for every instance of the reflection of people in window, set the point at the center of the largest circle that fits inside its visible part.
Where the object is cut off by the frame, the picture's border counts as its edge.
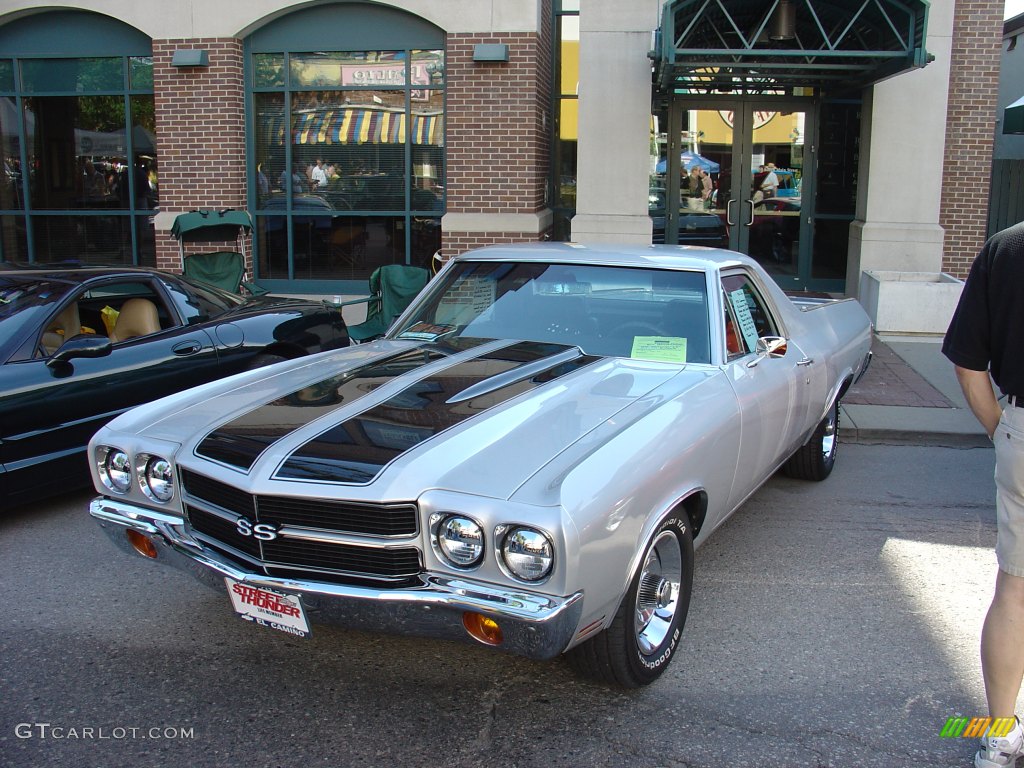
(95, 183)
(262, 183)
(298, 182)
(318, 174)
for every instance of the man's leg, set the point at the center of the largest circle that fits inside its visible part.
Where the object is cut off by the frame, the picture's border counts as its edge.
(1002, 645)
(1002, 637)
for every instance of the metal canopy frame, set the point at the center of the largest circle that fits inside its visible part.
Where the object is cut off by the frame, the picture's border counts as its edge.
(727, 46)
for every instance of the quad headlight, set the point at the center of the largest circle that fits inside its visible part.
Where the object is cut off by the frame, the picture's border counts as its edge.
(458, 540)
(527, 553)
(115, 469)
(156, 477)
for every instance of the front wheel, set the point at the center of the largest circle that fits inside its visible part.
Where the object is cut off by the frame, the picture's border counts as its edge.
(815, 459)
(645, 632)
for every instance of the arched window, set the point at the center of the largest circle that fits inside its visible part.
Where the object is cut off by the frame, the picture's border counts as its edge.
(77, 140)
(346, 106)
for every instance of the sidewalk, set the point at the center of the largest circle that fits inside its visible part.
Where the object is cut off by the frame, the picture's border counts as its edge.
(909, 394)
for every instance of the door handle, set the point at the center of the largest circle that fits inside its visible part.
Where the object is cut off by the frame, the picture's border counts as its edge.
(751, 222)
(186, 348)
(805, 361)
(728, 213)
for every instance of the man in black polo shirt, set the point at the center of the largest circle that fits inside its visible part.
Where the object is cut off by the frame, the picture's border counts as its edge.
(987, 335)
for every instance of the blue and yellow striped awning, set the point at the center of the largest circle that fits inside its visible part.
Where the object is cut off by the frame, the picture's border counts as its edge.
(357, 125)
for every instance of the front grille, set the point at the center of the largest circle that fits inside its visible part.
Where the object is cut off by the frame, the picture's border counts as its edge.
(388, 563)
(222, 530)
(295, 557)
(218, 494)
(347, 517)
(323, 514)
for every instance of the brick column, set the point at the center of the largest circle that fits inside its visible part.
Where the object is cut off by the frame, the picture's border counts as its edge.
(200, 126)
(973, 100)
(498, 141)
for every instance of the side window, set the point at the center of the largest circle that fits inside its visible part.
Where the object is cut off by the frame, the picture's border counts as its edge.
(123, 310)
(746, 317)
(195, 303)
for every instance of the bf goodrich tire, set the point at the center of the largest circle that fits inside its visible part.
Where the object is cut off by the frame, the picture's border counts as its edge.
(644, 635)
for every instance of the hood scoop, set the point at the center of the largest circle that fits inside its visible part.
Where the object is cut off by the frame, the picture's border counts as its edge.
(523, 372)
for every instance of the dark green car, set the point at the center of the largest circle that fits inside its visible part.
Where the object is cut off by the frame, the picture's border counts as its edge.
(80, 345)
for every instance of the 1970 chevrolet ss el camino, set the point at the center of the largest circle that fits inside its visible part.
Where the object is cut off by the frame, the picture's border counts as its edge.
(527, 459)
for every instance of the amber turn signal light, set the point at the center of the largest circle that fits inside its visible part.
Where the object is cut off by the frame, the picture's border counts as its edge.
(142, 544)
(482, 628)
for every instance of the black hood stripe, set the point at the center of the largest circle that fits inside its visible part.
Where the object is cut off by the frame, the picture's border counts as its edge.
(356, 450)
(240, 442)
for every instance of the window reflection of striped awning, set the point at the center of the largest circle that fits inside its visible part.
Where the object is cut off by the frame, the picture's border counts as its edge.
(357, 125)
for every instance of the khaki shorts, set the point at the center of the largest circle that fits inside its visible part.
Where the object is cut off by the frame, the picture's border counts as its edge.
(1009, 443)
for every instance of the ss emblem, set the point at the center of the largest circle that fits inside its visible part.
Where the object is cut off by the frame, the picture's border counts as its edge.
(261, 531)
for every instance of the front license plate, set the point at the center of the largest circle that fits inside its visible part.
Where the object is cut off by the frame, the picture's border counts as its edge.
(268, 608)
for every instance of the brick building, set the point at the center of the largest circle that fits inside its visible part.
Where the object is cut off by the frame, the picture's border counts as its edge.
(363, 133)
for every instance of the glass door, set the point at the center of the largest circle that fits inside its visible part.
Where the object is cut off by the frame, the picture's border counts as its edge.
(743, 180)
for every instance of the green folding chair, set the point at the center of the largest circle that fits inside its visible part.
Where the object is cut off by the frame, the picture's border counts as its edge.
(392, 289)
(223, 269)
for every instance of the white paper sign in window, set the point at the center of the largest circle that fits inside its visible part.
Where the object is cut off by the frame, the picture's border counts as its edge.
(748, 328)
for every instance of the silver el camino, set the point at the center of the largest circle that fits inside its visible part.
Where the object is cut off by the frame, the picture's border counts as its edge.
(526, 460)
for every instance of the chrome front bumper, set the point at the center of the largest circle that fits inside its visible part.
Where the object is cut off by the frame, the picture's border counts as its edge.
(533, 625)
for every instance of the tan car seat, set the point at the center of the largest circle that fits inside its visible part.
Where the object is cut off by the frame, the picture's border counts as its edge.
(63, 327)
(138, 317)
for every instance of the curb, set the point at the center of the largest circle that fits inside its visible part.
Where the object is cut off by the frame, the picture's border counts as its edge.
(915, 437)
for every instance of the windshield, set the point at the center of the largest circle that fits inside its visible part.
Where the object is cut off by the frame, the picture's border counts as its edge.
(22, 300)
(649, 314)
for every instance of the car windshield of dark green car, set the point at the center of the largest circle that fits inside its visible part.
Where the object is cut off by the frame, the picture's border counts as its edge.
(635, 312)
(24, 301)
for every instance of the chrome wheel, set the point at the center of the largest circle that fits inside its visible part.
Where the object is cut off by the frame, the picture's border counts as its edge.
(828, 439)
(658, 595)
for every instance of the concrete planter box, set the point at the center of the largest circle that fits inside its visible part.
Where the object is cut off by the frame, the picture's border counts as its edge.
(909, 302)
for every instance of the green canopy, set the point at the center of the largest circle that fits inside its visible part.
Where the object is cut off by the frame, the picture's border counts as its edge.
(210, 225)
(1013, 117)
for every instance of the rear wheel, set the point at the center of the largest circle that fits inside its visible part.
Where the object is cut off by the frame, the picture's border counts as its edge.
(815, 459)
(645, 632)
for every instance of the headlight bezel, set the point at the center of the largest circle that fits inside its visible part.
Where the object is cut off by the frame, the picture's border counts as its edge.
(438, 521)
(502, 535)
(104, 459)
(144, 463)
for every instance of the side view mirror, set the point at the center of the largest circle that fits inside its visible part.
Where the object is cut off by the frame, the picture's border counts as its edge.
(768, 346)
(82, 345)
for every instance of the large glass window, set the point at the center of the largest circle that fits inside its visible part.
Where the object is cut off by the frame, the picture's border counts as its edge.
(348, 161)
(77, 140)
(84, 129)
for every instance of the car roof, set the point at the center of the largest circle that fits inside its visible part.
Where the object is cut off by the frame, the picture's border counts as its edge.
(689, 257)
(71, 268)
(71, 273)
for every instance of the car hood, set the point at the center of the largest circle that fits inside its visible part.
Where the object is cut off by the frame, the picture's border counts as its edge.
(388, 420)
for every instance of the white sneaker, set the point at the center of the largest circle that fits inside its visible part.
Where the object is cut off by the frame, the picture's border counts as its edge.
(1001, 752)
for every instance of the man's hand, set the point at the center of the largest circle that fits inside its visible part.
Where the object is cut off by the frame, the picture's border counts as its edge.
(977, 388)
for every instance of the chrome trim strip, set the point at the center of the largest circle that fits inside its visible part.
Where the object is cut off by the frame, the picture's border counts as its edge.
(334, 537)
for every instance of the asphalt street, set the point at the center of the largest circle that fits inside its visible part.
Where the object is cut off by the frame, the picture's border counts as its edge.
(832, 624)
